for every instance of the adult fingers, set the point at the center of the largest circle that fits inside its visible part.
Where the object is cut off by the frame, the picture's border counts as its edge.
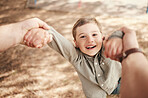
(33, 23)
(29, 38)
(42, 24)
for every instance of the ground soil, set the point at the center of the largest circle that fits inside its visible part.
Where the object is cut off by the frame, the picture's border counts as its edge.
(42, 73)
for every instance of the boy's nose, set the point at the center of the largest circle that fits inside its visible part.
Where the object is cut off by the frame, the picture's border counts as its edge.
(90, 39)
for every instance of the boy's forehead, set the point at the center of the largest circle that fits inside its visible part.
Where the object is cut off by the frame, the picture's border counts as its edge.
(87, 27)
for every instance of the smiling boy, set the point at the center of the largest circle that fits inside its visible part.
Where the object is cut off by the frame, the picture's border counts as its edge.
(99, 75)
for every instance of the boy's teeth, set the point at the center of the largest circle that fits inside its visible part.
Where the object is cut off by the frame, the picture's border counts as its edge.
(90, 47)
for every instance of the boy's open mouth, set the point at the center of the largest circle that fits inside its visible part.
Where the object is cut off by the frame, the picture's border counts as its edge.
(90, 47)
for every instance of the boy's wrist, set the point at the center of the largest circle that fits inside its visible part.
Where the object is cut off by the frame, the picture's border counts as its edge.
(116, 34)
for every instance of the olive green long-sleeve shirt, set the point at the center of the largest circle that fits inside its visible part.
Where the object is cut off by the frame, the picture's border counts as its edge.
(99, 75)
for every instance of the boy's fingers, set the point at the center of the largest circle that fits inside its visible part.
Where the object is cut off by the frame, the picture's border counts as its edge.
(26, 37)
(38, 44)
(46, 37)
(28, 40)
(33, 36)
(38, 36)
(45, 41)
(50, 37)
(114, 51)
(41, 38)
(109, 48)
(119, 50)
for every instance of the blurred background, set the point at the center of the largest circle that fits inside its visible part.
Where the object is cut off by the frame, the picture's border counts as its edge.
(42, 73)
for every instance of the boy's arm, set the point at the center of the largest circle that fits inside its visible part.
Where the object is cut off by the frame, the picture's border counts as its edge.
(36, 38)
(62, 45)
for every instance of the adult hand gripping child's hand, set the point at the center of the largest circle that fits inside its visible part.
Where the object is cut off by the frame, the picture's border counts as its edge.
(113, 47)
(116, 46)
(129, 39)
(13, 34)
(37, 38)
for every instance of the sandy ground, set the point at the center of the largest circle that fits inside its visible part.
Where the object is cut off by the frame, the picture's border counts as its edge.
(42, 73)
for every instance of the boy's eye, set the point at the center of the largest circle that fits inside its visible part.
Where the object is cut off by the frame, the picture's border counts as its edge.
(82, 36)
(94, 35)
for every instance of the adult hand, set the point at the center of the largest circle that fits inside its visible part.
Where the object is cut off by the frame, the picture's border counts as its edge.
(113, 47)
(37, 38)
(31, 24)
(129, 39)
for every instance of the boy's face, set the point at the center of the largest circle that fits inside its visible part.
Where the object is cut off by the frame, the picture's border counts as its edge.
(88, 39)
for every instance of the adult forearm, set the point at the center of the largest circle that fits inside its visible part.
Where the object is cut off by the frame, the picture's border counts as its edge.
(134, 76)
(10, 35)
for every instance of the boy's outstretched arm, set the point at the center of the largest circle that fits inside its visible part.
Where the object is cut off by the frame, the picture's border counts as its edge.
(13, 34)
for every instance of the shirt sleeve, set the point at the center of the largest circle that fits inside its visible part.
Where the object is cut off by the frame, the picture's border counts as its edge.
(116, 34)
(62, 46)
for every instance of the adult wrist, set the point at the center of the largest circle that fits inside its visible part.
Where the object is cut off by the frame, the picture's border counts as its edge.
(125, 54)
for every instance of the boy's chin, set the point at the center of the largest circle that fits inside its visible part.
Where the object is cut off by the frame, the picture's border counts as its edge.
(91, 54)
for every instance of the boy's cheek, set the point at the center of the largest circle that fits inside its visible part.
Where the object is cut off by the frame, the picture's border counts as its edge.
(76, 45)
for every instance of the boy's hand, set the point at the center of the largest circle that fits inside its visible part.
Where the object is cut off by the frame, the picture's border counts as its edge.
(37, 38)
(116, 46)
(113, 47)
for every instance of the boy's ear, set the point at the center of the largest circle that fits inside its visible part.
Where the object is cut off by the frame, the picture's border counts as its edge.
(75, 43)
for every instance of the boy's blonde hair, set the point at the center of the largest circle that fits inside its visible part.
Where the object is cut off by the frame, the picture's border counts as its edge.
(83, 21)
